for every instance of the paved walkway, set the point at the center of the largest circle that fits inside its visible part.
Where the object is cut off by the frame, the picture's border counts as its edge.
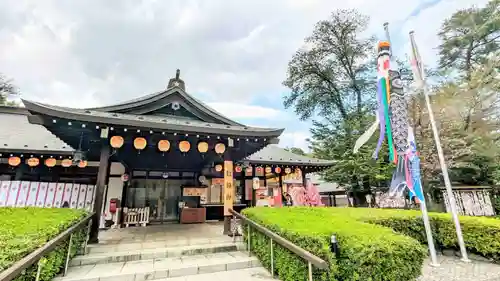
(453, 269)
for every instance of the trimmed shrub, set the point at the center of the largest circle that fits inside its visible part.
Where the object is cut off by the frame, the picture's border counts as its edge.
(375, 244)
(23, 230)
(367, 251)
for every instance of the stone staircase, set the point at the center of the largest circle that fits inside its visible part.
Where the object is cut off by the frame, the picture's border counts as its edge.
(206, 260)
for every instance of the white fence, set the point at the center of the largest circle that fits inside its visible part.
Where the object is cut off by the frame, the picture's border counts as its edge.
(46, 194)
(137, 216)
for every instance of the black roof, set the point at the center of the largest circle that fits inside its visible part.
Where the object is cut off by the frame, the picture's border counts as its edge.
(167, 123)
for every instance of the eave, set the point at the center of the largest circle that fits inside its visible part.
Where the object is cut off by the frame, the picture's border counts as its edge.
(39, 110)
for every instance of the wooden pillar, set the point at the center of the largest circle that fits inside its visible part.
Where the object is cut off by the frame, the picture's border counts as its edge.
(254, 195)
(102, 175)
(228, 187)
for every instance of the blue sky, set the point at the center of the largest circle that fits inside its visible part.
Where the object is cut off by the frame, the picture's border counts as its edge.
(232, 54)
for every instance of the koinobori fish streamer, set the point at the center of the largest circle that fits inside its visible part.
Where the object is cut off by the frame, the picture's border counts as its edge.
(392, 120)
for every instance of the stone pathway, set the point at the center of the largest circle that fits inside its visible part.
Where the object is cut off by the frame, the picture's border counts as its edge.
(249, 274)
(453, 269)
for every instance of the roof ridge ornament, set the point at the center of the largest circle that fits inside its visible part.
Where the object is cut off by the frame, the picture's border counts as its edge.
(177, 81)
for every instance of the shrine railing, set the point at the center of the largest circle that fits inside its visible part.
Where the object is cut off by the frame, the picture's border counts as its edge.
(311, 259)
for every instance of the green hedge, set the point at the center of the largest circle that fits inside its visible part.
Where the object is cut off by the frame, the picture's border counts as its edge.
(375, 244)
(22, 230)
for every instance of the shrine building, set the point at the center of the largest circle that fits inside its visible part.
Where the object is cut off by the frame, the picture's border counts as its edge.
(154, 155)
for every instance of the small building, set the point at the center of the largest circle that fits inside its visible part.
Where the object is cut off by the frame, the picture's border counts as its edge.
(162, 152)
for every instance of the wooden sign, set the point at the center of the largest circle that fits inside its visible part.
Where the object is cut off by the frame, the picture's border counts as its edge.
(228, 187)
(193, 191)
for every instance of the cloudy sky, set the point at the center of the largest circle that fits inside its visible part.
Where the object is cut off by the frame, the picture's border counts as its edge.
(232, 53)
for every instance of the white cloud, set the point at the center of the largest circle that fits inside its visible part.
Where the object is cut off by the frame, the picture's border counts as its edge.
(295, 139)
(91, 52)
(243, 111)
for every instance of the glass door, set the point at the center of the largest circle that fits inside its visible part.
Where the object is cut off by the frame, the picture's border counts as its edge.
(172, 193)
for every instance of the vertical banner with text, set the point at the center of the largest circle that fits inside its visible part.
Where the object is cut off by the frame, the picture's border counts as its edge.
(228, 187)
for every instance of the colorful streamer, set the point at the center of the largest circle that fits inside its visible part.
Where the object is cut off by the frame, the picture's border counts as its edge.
(393, 121)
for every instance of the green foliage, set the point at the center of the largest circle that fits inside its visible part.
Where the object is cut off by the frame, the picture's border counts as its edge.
(353, 171)
(6, 89)
(368, 251)
(468, 37)
(23, 230)
(330, 76)
(375, 244)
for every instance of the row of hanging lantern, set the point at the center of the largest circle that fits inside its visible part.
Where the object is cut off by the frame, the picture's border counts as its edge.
(248, 170)
(184, 146)
(15, 161)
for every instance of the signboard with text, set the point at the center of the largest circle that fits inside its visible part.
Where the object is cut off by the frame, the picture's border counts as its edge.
(228, 187)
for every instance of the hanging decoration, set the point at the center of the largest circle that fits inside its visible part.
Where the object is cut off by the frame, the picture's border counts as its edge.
(184, 146)
(33, 162)
(140, 143)
(259, 170)
(220, 148)
(218, 167)
(50, 162)
(277, 170)
(238, 169)
(249, 170)
(14, 161)
(66, 163)
(202, 146)
(268, 170)
(82, 164)
(288, 170)
(163, 146)
(116, 142)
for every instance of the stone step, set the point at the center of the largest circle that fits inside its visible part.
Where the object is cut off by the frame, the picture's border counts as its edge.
(121, 247)
(247, 274)
(147, 254)
(160, 268)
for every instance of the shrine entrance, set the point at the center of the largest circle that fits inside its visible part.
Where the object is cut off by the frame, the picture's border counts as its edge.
(160, 195)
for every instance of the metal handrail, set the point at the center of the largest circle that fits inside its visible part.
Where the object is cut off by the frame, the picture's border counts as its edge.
(17, 268)
(306, 255)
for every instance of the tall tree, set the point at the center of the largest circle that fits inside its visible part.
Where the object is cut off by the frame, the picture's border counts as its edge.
(331, 75)
(6, 89)
(468, 38)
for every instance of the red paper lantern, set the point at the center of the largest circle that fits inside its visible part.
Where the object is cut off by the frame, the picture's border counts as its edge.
(83, 164)
(202, 146)
(164, 145)
(116, 142)
(277, 170)
(218, 167)
(140, 143)
(237, 169)
(14, 161)
(220, 148)
(50, 162)
(184, 146)
(66, 163)
(33, 162)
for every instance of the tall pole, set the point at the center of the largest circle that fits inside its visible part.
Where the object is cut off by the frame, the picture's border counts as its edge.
(420, 72)
(423, 206)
